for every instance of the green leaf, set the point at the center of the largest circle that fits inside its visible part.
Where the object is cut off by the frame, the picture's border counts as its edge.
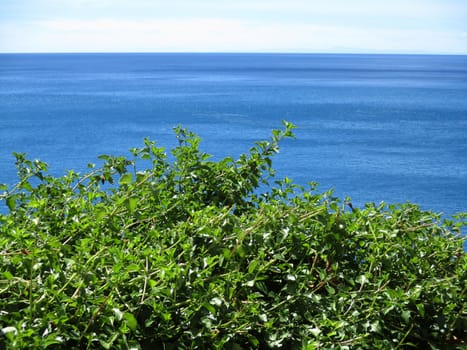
(330, 290)
(11, 202)
(126, 179)
(405, 315)
(421, 309)
(51, 340)
(130, 321)
(100, 212)
(27, 186)
(133, 268)
(105, 345)
(210, 308)
(131, 203)
(8, 275)
(252, 266)
(251, 339)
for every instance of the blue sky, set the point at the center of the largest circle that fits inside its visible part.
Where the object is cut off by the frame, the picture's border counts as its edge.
(367, 26)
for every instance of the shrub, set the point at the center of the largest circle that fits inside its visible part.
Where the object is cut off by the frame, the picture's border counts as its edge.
(147, 253)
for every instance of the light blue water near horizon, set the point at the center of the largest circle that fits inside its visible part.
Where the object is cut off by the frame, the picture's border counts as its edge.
(375, 128)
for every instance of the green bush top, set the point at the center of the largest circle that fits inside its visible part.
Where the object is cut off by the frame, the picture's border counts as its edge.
(147, 253)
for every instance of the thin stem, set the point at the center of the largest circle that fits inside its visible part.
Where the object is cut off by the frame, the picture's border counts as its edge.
(145, 281)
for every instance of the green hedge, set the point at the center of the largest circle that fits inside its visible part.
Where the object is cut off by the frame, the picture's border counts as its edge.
(189, 253)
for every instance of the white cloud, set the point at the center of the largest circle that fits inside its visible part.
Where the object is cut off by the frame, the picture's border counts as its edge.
(197, 35)
(225, 25)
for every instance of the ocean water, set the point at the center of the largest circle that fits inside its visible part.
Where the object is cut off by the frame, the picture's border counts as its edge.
(374, 128)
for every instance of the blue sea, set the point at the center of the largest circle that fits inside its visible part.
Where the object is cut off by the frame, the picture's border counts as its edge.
(374, 128)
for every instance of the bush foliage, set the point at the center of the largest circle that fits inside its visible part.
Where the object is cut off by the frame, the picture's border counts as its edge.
(182, 252)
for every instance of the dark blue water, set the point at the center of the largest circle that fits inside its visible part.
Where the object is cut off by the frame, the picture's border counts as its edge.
(373, 127)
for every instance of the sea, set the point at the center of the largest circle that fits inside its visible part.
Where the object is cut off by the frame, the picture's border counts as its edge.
(373, 128)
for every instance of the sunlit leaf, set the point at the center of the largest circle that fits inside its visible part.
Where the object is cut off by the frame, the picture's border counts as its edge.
(130, 321)
(126, 179)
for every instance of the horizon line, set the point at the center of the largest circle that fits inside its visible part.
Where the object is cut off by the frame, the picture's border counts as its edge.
(240, 52)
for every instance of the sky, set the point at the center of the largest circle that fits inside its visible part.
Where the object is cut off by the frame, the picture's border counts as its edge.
(331, 26)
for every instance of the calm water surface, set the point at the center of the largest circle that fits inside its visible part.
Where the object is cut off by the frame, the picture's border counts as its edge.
(373, 127)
